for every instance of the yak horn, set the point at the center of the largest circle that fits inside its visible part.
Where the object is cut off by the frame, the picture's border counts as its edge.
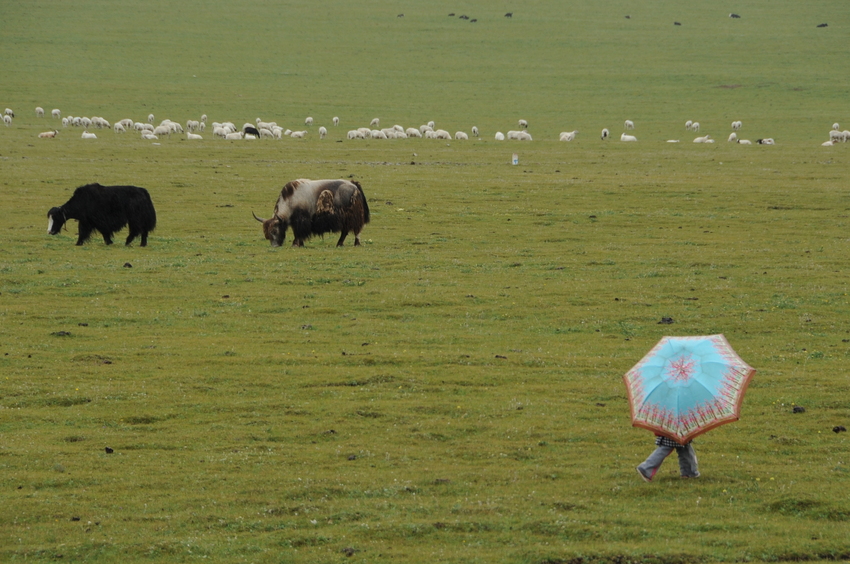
(257, 218)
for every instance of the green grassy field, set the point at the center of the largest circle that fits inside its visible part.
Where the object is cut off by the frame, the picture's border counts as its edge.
(450, 391)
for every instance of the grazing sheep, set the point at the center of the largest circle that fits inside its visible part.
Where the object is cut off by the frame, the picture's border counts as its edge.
(150, 118)
(336, 121)
(605, 134)
(322, 132)
(703, 139)
(733, 137)
(190, 136)
(375, 123)
(767, 141)
(298, 134)
(512, 134)
(193, 125)
(835, 126)
(118, 128)
(567, 135)
(629, 124)
(523, 124)
(9, 112)
(431, 124)
(695, 126)
(461, 135)
(377, 134)
(233, 136)
(688, 125)
(424, 128)
(835, 135)
(744, 142)
(500, 136)
(7, 119)
(442, 134)
(204, 118)
(736, 125)
(64, 122)
(48, 134)
(624, 137)
(475, 131)
(308, 121)
(87, 135)
(39, 111)
(524, 136)
(161, 130)
(412, 132)
(56, 113)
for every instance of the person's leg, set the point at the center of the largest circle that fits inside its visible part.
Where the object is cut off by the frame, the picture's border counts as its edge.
(649, 467)
(688, 461)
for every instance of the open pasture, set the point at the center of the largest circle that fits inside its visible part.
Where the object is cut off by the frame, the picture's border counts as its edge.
(450, 391)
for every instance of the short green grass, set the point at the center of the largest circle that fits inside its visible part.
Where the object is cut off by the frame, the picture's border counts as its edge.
(451, 391)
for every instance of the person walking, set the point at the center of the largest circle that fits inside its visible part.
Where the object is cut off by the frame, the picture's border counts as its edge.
(664, 447)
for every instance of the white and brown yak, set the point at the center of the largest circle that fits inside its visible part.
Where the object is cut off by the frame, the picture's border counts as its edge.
(316, 207)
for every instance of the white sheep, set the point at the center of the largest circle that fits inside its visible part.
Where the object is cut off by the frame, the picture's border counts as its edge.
(628, 124)
(126, 123)
(567, 135)
(192, 125)
(824, 144)
(524, 136)
(220, 132)
(475, 131)
(39, 111)
(836, 136)
(375, 123)
(835, 126)
(7, 119)
(630, 138)
(118, 128)
(744, 142)
(688, 124)
(695, 126)
(308, 121)
(500, 136)
(431, 124)
(150, 118)
(64, 122)
(513, 134)
(605, 134)
(736, 125)
(429, 134)
(412, 132)
(336, 121)
(9, 112)
(148, 135)
(87, 135)
(298, 134)
(56, 113)
(423, 128)
(190, 136)
(703, 139)
(160, 130)
(377, 134)
(322, 132)
(461, 135)
(523, 124)
(733, 137)
(767, 141)
(204, 118)
(234, 136)
(442, 134)
(48, 134)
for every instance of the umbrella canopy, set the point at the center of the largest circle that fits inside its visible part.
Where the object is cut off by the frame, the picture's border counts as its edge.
(686, 386)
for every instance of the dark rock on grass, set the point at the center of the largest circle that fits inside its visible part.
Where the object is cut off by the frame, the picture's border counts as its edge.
(61, 333)
(799, 409)
(666, 321)
(109, 450)
(128, 265)
(838, 429)
(349, 551)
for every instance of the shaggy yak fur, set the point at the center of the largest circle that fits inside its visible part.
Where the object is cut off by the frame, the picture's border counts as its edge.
(106, 209)
(316, 207)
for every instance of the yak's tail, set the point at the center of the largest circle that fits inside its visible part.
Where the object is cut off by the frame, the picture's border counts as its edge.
(365, 203)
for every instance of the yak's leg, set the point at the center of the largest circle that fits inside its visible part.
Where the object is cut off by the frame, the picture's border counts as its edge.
(342, 237)
(132, 235)
(144, 242)
(84, 233)
(107, 238)
(357, 239)
(298, 243)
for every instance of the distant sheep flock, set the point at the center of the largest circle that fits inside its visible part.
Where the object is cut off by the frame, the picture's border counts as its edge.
(271, 130)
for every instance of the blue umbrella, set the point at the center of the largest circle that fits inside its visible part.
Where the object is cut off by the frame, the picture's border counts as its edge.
(686, 386)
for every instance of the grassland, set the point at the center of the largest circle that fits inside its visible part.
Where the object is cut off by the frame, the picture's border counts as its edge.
(451, 391)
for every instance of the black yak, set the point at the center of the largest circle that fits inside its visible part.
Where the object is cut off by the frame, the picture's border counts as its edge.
(316, 207)
(106, 209)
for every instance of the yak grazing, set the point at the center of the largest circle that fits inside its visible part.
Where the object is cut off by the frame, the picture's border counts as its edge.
(106, 209)
(316, 207)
